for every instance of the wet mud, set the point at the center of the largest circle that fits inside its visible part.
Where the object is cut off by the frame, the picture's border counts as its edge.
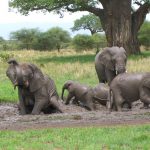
(74, 116)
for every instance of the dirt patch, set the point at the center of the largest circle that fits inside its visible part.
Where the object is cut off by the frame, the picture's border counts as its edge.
(74, 116)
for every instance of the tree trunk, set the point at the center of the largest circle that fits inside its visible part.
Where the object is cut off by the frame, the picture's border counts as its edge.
(117, 24)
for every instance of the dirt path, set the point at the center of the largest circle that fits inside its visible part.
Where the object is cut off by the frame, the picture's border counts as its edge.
(73, 117)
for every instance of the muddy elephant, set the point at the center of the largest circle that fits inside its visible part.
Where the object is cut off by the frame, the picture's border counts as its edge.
(110, 62)
(37, 92)
(127, 88)
(84, 95)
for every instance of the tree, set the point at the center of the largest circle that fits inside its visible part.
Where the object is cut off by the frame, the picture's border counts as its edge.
(3, 44)
(83, 42)
(25, 36)
(120, 22)
(88, 22)
(99, 41)
(144, 34)
(58, 37)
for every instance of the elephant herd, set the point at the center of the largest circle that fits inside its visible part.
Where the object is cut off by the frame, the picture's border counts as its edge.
(37, 92)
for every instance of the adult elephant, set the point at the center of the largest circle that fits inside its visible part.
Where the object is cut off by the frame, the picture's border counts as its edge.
(84, 95)
(129, 87)
(110, 62)
(36, 91)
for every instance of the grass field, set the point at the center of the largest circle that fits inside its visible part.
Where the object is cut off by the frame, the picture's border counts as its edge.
(63, 66)
(112, 138)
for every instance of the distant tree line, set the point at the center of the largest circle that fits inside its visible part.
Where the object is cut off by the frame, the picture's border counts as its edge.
(57, 38)
(52, 39)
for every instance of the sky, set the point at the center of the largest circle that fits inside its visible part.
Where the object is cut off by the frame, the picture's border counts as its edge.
(12, 21)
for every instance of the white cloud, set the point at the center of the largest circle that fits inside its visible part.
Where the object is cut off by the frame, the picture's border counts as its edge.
(12, 17)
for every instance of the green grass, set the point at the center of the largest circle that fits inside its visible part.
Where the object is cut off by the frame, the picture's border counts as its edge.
(69, 65)
(92, 138)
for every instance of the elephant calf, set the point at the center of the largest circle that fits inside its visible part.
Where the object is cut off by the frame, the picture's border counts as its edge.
(85, 95)
(129, 87)
(36, 91)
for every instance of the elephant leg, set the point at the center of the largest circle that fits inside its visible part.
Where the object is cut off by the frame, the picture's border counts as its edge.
(91, 106)
(39, 105)
(145, 96)
(69, 97)
(118, 100)
(75, 101)
(110, 75)
(22, 106)
(100, 70)
(54, 102)
(88, 102)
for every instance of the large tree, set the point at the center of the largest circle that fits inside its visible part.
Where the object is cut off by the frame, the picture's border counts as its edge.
(119, 21)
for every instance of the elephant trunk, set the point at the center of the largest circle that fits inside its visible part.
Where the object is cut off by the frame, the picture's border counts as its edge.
(19, 79)
(62, 94)
(120, 69)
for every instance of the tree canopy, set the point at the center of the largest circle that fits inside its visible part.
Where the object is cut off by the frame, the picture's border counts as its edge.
(54, 38)
(88, 22)
(120, 22)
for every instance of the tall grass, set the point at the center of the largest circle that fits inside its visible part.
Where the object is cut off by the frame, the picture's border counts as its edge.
(63, 66)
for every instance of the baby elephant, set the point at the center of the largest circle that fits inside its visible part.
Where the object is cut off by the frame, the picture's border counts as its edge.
(85, 95)
(129, 87)
(36, 91)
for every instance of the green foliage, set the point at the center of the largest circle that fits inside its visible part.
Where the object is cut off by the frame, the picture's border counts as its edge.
(88, 22)
(2, 44)
(83, 42)
(26, 37)
(58, 37)
(144, 34)
(99, 41)
(54, 38)
(88, 138)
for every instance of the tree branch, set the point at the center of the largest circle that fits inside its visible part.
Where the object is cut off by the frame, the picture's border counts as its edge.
(97, 11)
(138, 3)
(139, 16)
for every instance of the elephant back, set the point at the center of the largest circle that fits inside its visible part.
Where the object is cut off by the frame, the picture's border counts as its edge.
(100, 93)
(51, 87)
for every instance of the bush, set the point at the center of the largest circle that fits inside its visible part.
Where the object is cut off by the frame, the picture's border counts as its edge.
(83, 42)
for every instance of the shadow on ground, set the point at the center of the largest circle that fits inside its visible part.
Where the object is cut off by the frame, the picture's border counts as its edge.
(67, 59)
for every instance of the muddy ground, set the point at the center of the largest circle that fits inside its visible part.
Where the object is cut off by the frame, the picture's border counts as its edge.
(74, 116)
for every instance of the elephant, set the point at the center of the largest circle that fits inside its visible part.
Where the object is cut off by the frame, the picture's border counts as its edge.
(110, 62)
(127, 88)
(37, 92)
(84, 95)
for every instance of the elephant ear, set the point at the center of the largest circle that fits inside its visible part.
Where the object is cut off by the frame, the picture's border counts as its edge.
(12, 61)
(106, 58)
(37, 80)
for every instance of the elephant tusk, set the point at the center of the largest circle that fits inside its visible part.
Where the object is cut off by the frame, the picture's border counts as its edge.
(26, 83)
(15, 84)
(116, 72)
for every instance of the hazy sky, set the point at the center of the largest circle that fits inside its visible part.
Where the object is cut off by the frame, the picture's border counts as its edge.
(11, 21)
